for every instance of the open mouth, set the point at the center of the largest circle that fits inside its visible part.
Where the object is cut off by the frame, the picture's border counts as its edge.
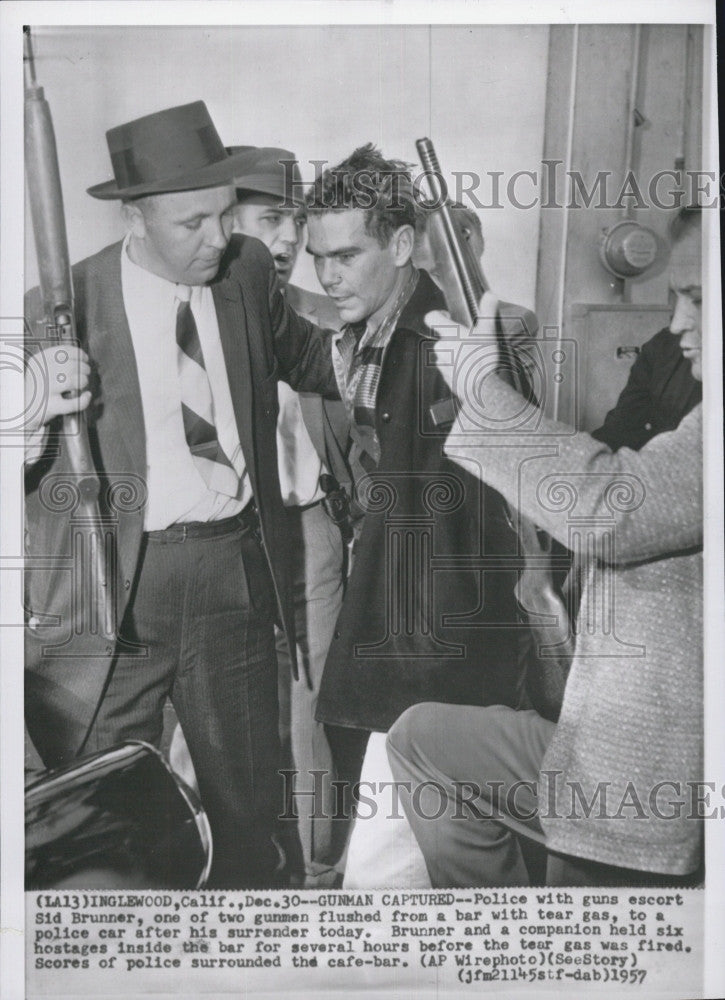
(283, 261)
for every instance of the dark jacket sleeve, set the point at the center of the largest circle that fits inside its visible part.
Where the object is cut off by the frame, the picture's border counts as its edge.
(626, 424)
(303, 350)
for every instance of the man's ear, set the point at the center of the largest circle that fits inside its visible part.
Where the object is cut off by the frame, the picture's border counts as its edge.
(133, 216)
(402, 244)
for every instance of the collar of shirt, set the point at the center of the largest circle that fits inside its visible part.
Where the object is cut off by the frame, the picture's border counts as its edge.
(347, 347)
(140, 282)
(176, 490)
(380, 328)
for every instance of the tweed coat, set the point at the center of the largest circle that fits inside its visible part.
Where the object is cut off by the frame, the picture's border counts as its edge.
(632, 712)
(429, 612)
(67, 661)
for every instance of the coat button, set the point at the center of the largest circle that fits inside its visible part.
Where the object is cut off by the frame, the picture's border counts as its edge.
(385, 418)
(127, 584)
(33, 623)
(648, 426)
(337, 633)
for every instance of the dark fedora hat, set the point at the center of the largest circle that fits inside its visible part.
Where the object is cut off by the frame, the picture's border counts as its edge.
(267, 170)
(177, 149)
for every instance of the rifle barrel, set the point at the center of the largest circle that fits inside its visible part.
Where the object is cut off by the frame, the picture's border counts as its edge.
(56, 287)
(467, 271)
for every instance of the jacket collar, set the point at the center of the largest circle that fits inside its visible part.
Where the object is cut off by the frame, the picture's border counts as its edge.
(221, 285)
(426, 297)
(231, 293)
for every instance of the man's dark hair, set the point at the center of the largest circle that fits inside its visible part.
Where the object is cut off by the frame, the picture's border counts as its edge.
(382, 188)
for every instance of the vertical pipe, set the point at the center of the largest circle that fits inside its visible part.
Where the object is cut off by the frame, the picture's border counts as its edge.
(565, 222)
(692, 123)
(627, 210)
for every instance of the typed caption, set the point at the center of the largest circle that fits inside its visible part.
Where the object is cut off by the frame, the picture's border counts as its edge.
(128, 943)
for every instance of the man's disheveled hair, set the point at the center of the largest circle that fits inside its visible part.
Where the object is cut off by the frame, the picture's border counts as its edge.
(382, 188)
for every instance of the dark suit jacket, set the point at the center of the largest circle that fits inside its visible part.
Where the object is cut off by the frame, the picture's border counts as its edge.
(67, 662)
(429, 612)
(659, 392)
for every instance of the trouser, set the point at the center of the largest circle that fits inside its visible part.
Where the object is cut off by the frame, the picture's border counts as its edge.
(202, 613)
(461, 763)
(316, 561)
(472, 776)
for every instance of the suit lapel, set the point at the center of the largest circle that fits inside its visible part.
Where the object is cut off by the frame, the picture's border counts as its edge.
(234, 335)
(110, 346)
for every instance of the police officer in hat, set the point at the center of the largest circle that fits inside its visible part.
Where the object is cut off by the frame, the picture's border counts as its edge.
(183, 335)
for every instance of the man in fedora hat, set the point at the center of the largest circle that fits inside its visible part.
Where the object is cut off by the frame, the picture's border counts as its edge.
(183, 335)
(311, 443)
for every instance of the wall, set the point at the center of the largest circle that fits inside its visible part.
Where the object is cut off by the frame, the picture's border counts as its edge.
(602, 79)
(478, 92)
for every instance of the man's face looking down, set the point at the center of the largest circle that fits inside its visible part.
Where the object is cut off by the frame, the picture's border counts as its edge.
(686, 285)
(181, 236)
(357, 272)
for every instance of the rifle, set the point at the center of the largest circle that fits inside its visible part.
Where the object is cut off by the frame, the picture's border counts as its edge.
(56, 288)
(552, 644)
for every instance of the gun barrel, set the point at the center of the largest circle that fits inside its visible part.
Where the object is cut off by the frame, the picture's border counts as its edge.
(28, 59)
(46, 204)
(465, 283)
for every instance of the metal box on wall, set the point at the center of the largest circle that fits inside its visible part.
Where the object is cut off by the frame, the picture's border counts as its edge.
(609, 338)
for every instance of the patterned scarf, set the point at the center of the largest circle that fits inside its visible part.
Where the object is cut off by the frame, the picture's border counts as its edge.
(361, 351)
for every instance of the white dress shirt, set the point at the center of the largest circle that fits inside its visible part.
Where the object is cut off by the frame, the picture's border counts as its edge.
(177, 492)
(300, 467)
(299, 464)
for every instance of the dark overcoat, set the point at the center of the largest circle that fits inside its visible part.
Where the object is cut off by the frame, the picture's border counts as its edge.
(429, 613)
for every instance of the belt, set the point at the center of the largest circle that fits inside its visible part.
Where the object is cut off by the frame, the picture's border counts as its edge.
(307, 506)
(246, 520)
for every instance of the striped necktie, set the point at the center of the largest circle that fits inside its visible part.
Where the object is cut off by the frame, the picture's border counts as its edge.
(197, 404)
